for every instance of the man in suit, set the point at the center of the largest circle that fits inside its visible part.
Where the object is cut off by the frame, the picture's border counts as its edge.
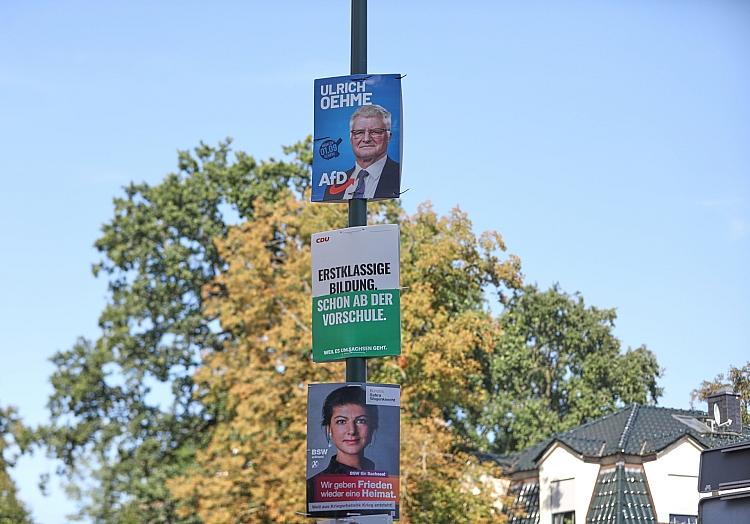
(374, 175)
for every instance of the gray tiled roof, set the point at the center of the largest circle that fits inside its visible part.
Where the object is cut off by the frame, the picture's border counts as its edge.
(525, 508)
(621, 496)
(634, 430)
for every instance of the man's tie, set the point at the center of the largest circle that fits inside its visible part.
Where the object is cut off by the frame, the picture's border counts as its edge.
(359, 192)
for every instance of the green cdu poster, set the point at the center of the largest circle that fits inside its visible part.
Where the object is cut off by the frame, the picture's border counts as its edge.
(356, 310)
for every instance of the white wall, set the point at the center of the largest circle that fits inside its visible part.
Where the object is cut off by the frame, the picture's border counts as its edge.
(498, 487)
(673, 480)
(565, 484)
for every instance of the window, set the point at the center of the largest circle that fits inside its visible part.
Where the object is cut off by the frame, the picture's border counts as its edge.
(683, 519)
(569, 517)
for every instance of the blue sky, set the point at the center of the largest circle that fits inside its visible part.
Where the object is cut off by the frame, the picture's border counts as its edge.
(607, 142)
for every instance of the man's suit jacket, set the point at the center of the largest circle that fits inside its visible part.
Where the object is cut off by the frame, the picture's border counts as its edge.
(388, 185)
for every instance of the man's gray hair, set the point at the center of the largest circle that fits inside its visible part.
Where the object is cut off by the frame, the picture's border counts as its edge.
(372, 110)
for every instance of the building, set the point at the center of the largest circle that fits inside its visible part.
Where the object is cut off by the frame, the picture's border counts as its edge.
(638, 465)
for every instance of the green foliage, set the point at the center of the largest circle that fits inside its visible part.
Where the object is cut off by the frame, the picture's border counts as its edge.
(557, 365)
(13, 434)
(112, 419)
(739, 379)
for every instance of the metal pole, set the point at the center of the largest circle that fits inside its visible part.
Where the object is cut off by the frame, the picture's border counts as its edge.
(356, 368)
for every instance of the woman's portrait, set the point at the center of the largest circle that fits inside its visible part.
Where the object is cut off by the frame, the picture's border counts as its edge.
(350, 425)
(353, 449)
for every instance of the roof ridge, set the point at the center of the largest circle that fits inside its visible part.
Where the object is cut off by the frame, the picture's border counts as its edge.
(592, 422)
(620, 474)
(691, 412)
(628, 426)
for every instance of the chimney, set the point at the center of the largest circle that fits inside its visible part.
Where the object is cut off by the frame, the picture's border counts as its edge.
(726, 404)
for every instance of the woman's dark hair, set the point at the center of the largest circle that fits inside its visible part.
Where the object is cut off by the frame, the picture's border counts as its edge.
(349, 395)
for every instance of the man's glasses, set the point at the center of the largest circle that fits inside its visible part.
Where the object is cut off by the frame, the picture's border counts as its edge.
(378, 132)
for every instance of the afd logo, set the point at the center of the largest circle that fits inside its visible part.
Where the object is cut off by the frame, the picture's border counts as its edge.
(320, 240)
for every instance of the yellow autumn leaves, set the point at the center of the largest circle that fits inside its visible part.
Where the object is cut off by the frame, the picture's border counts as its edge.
(254, 468)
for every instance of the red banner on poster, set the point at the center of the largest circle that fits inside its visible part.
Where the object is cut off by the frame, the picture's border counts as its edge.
(342, 488)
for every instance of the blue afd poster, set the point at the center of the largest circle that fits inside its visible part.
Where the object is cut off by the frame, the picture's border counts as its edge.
(358, 138)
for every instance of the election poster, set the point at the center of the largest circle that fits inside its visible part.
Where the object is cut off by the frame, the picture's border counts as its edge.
(353, 436)
(356, 308)
(357, 138)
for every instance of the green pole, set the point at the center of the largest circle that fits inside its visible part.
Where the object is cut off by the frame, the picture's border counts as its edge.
(356, 368)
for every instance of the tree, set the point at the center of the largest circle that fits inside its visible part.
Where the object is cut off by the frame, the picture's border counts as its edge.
(253, 468)
(738, 378)
(557, 365)
(12, 434)
(190, 405)
(124, 410)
